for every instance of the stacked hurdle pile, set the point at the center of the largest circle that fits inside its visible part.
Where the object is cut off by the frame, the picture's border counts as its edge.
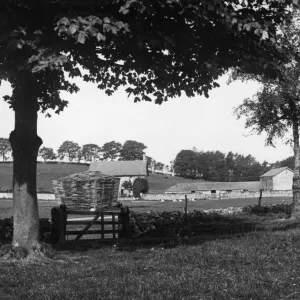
(87, 190)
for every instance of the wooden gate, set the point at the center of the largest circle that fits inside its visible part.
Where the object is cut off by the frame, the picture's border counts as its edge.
(108, 225)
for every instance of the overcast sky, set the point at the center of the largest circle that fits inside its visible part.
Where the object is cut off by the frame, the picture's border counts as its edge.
(182, 123)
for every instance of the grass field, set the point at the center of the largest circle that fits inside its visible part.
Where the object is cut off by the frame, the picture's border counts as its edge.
(257, 266)
(46, 172)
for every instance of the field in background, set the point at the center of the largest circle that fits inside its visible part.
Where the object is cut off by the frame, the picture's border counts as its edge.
(46, 172)
(6, 209)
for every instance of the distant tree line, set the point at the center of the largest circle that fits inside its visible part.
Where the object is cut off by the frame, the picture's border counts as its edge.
(73, 152)
(218, 166)
(210, 165)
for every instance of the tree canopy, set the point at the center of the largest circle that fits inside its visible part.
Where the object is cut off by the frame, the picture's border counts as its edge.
(111, 150)
(90, 152)
(218, 166)
(117, 43)
(47, 153)
(275, 108)
(132, 150)
(69, 150)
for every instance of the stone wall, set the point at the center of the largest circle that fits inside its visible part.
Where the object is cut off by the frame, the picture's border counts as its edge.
(204, 196)
(6, 230)
(176, 197)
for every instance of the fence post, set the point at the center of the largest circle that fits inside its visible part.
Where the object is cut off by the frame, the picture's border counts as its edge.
(185, 209)
(260, 196)
(124, 220)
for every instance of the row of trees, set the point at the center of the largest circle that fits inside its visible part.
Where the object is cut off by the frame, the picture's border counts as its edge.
(130, 150)
(218, 166)
(72, 151)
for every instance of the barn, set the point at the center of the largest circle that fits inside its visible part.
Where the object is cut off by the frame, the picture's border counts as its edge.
(125, 170)
(277, 179)
(214, 189)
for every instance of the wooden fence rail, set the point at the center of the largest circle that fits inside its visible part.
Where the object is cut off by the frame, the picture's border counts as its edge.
(109, 221)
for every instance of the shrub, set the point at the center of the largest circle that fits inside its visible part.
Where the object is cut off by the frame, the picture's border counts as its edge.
(140, 185)
(282, 207)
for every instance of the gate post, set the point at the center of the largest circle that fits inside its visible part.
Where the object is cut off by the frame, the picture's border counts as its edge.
(124, 220)
(59, 224)
(260, 196)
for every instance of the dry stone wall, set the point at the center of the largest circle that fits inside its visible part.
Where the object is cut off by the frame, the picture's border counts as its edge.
(204, 196)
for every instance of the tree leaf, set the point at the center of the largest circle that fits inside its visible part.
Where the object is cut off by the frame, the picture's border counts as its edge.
(81, 37)
(100, 37)
(247, 27)
(73, 28)
(265, 35)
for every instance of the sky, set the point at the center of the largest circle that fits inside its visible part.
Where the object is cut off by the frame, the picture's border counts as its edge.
(181, 123)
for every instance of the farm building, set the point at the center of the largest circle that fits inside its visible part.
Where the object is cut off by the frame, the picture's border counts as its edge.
(214, 188)
(277, 179)
(125, 170)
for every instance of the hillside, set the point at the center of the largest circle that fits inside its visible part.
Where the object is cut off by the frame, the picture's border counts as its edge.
(158, 183)
(46, 172)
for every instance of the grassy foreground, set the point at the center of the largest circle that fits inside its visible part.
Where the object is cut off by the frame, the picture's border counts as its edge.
(256, 265)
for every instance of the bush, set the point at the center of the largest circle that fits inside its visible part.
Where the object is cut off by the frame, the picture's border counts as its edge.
(140, 185)
(282, 207)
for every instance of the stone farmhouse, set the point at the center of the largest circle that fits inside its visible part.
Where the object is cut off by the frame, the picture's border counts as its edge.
(125, 170)
(277, 179)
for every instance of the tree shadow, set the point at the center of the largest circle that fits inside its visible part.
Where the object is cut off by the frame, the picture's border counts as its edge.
(209, 228)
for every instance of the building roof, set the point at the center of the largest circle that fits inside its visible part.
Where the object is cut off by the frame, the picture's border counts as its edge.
(121, 168)
(218, 186)
(275, 171)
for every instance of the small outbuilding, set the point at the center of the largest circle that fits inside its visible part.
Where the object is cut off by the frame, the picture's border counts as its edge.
(277, 179)
(125, 170)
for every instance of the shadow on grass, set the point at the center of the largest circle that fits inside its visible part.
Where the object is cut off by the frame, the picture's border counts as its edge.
(213, 228)
(194, 232)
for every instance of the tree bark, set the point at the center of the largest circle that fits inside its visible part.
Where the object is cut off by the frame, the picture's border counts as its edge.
(296, 177)
(25, 145)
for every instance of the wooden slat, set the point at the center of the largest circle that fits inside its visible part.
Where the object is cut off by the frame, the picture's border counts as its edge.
(110, 213)
(114, 226)
(87, 212)
(88, 226)
(85, 222)
(92, 241)
(81, 212)
(102, 226)
(102, 232)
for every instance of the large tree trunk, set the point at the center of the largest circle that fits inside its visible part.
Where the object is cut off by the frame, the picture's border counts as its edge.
(25, 145)
(296, 177)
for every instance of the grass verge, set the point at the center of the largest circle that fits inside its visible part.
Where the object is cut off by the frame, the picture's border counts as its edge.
(254, 265)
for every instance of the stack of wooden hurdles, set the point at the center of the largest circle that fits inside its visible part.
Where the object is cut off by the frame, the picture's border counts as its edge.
(88, 199)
